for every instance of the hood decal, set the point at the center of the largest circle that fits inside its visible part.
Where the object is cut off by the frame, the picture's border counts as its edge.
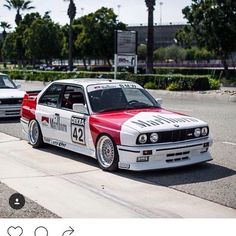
(156, 120)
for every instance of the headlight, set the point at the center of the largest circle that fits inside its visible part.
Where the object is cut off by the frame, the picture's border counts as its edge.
(142, 138)
(205, 131)
(197, 132)
(154, 137)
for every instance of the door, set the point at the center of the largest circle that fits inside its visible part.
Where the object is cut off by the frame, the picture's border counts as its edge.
(78, 137)
(47, 113)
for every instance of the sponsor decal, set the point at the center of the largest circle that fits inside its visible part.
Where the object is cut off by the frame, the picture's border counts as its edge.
(55, 123)
(92, 88)
(78, 130)
(128, 86)
(58, 143)
(45, 121)
(157, 120)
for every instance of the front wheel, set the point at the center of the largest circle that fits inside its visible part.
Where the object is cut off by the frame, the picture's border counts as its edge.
(35, 134)
(107, 154)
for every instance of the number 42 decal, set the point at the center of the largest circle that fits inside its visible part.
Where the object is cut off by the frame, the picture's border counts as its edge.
(78, 130)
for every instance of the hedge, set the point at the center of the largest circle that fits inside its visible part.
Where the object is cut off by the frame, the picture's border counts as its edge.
(152, 81)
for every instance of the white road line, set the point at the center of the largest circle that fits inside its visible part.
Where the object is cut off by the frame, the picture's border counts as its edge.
(187, 110)
(229, 143)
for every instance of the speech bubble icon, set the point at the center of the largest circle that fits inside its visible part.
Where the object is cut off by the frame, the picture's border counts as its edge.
(41, 231)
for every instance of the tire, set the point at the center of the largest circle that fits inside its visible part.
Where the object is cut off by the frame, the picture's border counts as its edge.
(106, 153)
(35, 134)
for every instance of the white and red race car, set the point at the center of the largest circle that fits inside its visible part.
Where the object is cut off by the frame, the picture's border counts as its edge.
(117, 122)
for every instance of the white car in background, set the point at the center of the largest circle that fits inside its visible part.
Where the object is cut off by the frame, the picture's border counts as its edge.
(10, 97)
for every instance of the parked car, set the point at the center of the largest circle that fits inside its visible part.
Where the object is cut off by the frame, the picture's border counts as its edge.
(10, 97)
(117, 122)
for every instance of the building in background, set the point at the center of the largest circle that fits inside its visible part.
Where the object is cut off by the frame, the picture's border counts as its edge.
(164, 35)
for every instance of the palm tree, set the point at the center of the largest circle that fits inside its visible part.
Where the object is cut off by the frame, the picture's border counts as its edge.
(4, 25)
(18, 5)
(150, 42)
(71, 13)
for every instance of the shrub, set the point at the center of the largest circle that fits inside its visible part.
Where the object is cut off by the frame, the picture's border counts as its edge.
(174, 86)
(214, 84)
(150, 85)
(152, 81)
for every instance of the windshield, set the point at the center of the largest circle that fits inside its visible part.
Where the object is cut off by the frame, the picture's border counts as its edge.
(6, 83)
(120, 98)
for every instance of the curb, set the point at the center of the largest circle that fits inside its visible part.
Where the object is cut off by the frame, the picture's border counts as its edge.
(200, 96)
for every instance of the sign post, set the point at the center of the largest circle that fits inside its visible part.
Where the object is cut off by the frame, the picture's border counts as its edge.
(125, 50)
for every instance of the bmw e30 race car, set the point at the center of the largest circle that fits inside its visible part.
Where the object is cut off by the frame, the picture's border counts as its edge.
(117, 122)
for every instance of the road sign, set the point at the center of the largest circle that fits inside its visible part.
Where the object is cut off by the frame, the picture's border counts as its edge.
(125, 50)
(125, 60)
(126, 42)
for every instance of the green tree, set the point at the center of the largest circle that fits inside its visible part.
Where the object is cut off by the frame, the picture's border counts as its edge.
(185, 37)
(43, 40)
(18, 5)
(213, 25)
(96, 37)
(9, 51)
(160, 54)
(175, 53)
(4, 25)
(142, 51)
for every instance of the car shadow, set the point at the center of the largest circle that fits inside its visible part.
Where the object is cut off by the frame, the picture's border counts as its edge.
(9, 120)
(69, 155)
(169, 177)
(183, 175)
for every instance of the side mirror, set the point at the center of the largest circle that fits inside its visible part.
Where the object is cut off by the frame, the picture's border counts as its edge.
(18, 86)
(159, 100)
(80, 108)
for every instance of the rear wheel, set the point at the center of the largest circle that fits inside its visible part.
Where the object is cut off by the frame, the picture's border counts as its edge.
(35, 134)
(107, 154)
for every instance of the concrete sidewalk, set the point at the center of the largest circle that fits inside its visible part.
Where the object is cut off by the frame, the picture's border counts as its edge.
(73, 186)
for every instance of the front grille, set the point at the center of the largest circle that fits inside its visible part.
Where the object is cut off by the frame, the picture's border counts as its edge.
(176, 135)
(11, 101)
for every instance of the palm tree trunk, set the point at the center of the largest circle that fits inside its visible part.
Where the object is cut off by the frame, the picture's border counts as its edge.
(150, 40)
(71, 14)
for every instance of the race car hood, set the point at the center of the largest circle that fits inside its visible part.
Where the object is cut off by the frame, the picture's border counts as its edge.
(148, 120)
(11, 93)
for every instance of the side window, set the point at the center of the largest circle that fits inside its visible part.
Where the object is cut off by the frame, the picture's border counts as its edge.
(72, 95)
(51, 96)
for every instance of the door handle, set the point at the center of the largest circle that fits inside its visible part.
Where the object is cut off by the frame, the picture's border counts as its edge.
(56, 114)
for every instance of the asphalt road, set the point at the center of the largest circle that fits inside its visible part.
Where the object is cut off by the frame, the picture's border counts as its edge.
(214, 181)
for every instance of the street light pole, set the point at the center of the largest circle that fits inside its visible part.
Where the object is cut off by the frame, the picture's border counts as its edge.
(161, 4)
(150, 40)
(118, 7)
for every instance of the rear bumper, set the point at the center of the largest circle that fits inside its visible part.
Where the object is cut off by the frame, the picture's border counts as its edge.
(24, 125)
(10, 111)
(165, 155)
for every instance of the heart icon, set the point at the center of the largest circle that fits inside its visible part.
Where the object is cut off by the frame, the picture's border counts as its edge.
(15, 231)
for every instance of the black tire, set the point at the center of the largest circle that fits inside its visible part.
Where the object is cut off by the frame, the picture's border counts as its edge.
(107, 154)
(35, 135)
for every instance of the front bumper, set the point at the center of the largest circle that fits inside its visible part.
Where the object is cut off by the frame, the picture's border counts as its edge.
(10, 110)
(165, 156)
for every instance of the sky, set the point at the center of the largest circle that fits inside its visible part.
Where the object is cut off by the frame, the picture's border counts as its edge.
(132, 12)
